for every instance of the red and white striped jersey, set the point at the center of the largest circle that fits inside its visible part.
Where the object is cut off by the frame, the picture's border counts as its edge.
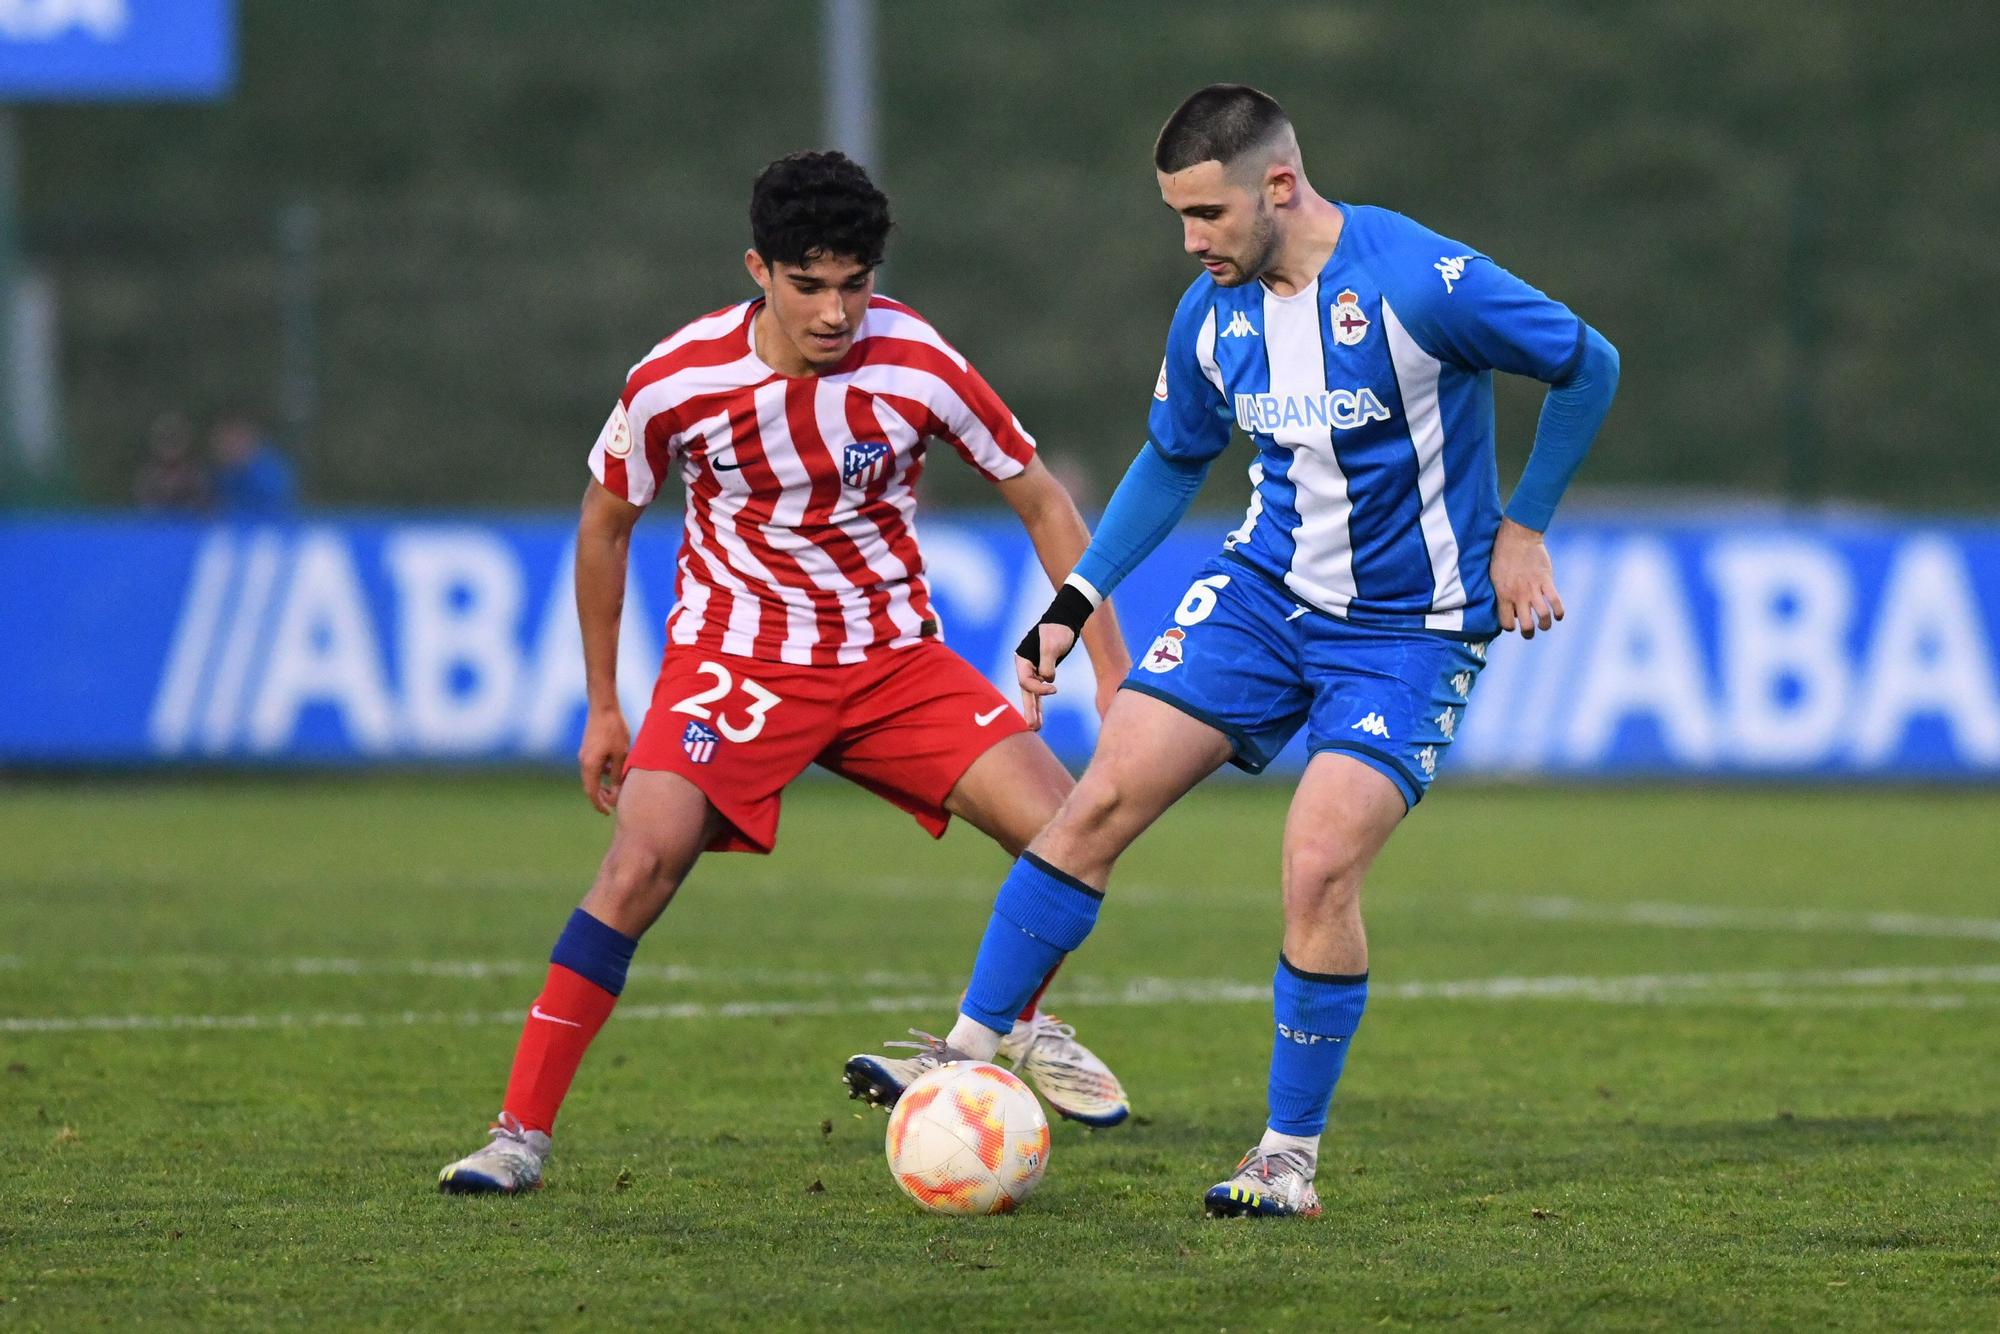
(799, 543)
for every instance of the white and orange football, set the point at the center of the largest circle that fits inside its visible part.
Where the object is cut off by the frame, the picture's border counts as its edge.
(968, 1138)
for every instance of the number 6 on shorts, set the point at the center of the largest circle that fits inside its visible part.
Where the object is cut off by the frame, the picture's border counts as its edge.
(1200, 600)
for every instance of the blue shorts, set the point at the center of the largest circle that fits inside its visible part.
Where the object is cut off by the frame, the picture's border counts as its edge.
(1246, 657)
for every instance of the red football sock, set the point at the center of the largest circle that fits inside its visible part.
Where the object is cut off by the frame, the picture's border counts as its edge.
(1035, 1001)
(561, 1023)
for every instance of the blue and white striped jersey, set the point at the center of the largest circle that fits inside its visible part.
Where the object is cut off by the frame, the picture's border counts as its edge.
(1369, 397)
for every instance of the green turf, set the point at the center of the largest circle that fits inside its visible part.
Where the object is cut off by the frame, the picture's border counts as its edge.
(1800, 1132)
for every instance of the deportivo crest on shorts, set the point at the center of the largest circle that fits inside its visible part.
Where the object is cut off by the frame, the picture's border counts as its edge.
(864, 461)
(1350, 326)
(700, 741)
(1165, 655)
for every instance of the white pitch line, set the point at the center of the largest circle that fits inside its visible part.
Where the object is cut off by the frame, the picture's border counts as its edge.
(1701, 917)
(464, 970)
(1807, 989)
(1665, 916)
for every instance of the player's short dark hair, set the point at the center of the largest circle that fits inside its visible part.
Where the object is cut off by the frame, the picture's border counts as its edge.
(811, 204)
(1219, 123)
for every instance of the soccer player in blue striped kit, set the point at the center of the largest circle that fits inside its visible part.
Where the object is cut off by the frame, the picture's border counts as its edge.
(1356, 349)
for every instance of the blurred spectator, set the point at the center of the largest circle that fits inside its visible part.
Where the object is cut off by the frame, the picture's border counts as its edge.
(171, 478)
(253, 478)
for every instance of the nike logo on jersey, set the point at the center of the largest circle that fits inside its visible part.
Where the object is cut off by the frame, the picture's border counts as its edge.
(1239, 326)
(723, 467)
(982, 719)
(1373, 726)
(539, 1013)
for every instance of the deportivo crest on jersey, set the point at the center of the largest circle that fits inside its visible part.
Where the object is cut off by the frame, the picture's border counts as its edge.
(699, 741)
(1165, 654)
(1350, 326)
(864, 462)
(1160, 387)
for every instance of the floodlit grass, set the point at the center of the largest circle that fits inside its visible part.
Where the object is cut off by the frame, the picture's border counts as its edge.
(1718, 1059)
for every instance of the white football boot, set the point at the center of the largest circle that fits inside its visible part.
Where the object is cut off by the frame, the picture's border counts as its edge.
(880, 1080)
(1275, 1184)
(510, 1163)
(1065, 1072)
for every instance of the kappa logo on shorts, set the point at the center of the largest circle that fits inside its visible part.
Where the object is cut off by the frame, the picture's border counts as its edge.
(1427, 759)
(864, 462)
(1373, 726)
(1448, 722)
(1462, 683)
(700, 741)
(1165, 655)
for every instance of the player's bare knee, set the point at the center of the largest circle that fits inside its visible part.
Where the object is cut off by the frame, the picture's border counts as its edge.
(1093, 819)
(1321, 878)
(636, 880)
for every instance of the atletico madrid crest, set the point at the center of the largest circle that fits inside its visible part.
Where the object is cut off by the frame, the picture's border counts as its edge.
(700, 741)
(1350, 326)
(864, 462)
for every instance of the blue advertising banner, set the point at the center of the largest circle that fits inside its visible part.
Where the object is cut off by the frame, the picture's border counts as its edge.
(97, 50)
(1765, 647)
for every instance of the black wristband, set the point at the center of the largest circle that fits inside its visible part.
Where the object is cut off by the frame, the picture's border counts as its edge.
(1069, 610)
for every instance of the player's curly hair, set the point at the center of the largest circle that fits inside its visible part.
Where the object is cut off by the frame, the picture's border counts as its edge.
(807, 205)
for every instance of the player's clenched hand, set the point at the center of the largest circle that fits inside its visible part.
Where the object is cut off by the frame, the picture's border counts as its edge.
(1524, 580)
(602, 756)
(1052, 644)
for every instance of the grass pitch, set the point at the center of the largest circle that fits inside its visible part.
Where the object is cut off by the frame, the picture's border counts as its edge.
(1636, 1059)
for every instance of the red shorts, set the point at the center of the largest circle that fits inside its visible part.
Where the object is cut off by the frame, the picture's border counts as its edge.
(904, 723)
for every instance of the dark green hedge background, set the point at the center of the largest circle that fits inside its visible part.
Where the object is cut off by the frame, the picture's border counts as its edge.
(1783, 214)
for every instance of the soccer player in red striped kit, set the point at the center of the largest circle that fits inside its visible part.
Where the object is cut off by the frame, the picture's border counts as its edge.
(802, 630)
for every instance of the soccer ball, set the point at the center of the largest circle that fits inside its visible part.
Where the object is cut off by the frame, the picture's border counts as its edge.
(968, 1138)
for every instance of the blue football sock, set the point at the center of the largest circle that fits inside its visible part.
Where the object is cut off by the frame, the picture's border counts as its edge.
(592, 950)
(1040, 915)
(1317, 1014)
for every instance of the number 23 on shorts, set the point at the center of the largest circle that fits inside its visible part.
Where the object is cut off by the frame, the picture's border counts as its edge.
(762, 701)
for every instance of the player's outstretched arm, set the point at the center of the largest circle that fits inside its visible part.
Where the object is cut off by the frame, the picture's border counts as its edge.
(1060, 538)
(603, 539)
(1155, 492)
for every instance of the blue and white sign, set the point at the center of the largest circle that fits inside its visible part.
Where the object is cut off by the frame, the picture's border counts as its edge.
(1756, 648)
(98, 50)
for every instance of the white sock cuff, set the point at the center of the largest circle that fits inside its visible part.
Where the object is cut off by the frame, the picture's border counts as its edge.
(974, 1039)
(1276, 1141)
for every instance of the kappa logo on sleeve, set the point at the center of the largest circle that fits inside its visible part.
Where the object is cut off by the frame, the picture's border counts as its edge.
(1453, 269)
